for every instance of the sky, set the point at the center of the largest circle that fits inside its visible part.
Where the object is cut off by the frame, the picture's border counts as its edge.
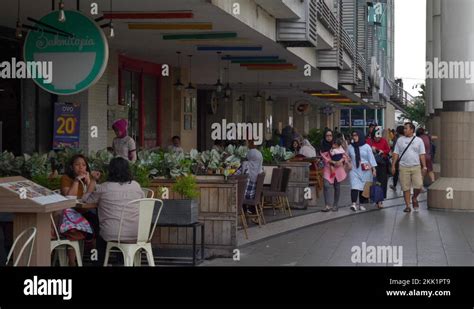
(410, 42)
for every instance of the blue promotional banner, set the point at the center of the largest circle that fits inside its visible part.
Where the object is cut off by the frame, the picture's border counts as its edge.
(67, 118)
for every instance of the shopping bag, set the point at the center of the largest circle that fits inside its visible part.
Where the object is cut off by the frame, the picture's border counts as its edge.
(376, 192)
(366, 192)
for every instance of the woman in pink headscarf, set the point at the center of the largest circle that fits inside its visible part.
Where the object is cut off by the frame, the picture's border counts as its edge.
(123, 145)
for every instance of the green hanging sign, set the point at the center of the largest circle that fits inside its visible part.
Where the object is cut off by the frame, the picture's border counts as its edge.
(77, 49)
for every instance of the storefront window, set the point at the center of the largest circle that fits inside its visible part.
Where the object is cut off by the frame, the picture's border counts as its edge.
(149, 101)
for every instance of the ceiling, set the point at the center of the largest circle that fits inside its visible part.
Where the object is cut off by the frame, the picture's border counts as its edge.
(149, 45)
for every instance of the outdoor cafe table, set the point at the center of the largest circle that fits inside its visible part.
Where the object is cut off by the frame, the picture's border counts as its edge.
(28, 213)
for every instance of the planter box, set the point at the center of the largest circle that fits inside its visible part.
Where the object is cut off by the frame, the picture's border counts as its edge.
(179, 212)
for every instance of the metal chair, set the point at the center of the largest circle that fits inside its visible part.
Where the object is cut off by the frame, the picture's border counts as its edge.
(132, 251)
(29, 242)
(148, 193)
(256, 201)
(62, 254)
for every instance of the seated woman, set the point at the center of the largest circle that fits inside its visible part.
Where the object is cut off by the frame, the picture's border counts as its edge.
(111, 198)
(78, 180)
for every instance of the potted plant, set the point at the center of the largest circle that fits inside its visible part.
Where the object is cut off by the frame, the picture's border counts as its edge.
(185, 210)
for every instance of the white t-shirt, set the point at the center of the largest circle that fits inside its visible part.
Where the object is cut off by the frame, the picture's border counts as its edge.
(412, 155)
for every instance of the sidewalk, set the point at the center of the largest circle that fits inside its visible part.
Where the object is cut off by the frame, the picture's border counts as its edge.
(281, 223)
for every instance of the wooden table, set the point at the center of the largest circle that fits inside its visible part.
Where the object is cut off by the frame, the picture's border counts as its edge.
(28, 213)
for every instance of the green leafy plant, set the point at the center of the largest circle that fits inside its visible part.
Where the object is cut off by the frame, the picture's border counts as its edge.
(186, 186)
(267, 155)
(141, 174)
(315, 137)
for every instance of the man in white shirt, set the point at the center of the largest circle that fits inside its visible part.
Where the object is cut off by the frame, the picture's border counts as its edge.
(410, 152)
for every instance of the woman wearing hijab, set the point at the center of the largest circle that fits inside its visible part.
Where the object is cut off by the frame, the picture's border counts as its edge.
(307, 149)
(363, 168)
(252, 166)
(381, 150)
(331, 179)
(123, 145)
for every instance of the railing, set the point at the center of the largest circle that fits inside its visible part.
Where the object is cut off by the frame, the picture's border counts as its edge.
(326, 17)
(347, 43)
(399, 96)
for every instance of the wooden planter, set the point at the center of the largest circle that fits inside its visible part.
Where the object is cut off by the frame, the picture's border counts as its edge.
(217, 209)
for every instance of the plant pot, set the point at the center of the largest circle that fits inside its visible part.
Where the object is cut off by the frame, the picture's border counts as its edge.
(179, 212)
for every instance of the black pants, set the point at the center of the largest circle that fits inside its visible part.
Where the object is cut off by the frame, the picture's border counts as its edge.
(356, 194)
(382, 177)
(101, 248)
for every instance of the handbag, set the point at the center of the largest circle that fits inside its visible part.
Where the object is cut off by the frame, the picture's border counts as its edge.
(376, 192)
(365, 166)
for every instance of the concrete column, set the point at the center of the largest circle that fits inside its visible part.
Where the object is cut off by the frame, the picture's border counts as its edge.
(457, 114)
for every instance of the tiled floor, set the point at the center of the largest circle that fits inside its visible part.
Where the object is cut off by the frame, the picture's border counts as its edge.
(428, 238)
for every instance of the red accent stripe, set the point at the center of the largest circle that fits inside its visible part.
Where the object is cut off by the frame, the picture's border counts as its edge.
(152, 15)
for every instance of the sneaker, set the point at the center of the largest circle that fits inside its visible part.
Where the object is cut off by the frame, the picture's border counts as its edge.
(354, 207)
(334, 209)
(362, 208)
(393, 188)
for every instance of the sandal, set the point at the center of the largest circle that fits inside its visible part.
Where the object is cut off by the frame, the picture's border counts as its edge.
(407, 209)
(379, 205)
(415, 202)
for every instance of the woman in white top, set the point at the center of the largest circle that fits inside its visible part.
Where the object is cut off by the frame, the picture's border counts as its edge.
(307, 149)
(123, 145)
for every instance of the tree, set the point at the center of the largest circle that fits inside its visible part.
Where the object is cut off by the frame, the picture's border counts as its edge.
(416, 112)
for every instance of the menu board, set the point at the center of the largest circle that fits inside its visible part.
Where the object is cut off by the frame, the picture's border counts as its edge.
(29, 190)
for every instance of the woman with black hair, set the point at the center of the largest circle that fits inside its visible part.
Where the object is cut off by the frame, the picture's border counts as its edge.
(331, 179)
(78, 225)
(363, 168)
(111, 198)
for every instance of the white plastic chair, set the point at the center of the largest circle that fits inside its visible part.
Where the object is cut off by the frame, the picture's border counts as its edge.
(148, 193)
(62, 254)
(132, 251)
(30, 241)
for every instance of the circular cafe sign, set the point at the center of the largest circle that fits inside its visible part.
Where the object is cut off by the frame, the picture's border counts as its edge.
(77, 49)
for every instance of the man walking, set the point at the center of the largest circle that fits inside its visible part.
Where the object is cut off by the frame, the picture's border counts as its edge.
(409, 155)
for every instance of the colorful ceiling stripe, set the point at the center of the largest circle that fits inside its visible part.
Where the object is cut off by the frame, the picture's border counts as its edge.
(249, 57)
(259, 61)
(267, 65)
(292, 68)
(170, 26)
(216, 42)
(229, 48)
(200, 36)
(149, 15)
